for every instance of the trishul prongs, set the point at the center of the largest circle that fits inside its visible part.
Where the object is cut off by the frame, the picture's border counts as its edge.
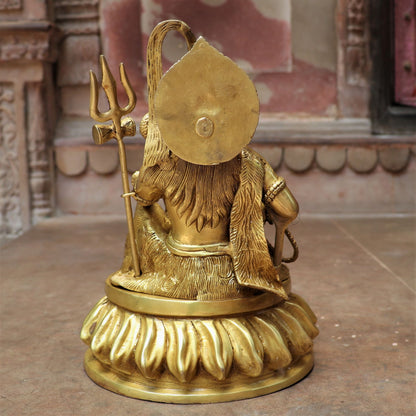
(119, 128)
(115, 112)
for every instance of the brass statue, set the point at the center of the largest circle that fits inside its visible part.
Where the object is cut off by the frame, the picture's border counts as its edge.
(201, 309)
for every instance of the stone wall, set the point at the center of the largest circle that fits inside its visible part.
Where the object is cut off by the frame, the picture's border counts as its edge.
(332, 178)
(310, 62)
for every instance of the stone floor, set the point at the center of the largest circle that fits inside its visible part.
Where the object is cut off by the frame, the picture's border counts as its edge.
(358, 275)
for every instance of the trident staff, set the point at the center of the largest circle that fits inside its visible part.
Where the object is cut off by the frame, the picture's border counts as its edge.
(118, 130)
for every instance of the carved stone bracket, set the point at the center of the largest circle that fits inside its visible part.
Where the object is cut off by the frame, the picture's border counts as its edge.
(10, 4)
(28, 41)
(17, 47)
(77, 17)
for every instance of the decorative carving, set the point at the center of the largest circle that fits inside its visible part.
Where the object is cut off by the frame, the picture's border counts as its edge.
(14, 47)
(11, 217)
(10, 4)
(77, 17)
(394, 159)
(220, 345)
(299, 159)
(39, 163)
(356, 48)
(361, 159)
(331, 158)
(80, 3)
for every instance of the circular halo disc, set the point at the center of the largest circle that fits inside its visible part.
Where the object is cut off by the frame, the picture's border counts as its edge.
(206, 107)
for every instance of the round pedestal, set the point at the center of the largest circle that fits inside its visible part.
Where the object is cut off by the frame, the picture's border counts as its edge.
(169, 390)
(188, 351)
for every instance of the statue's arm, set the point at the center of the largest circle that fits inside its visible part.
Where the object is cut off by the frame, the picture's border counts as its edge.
(146, 192)
(277, 196)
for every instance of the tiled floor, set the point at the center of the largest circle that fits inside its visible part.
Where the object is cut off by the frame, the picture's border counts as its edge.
(357, 274)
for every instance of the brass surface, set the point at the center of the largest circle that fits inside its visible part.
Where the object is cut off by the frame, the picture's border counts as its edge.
(242, 388)
(164, 306)
(115, 113)
(177, 356)
(201, 309)
(103, 133)
(206, 122)
(197, 250)
(155, 147)
(204, 127)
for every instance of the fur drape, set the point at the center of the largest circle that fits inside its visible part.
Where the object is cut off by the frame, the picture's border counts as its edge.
(252, 263)
(155, 151)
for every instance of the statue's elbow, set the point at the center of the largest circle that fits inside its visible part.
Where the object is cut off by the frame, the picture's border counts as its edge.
(295, 208)
(289, 207)
(290, 213)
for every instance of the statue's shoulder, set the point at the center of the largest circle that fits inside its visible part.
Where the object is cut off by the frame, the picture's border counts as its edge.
(248, 155)
(250, 152)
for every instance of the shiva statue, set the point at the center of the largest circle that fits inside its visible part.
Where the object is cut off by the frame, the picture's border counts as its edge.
(201, 309)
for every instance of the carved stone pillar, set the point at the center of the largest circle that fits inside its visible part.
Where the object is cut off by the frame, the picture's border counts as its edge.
(12, 221)
(38, 153)
(353, 58)
(27, 118)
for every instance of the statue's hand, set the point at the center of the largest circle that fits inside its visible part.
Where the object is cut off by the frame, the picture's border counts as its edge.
(145, 193)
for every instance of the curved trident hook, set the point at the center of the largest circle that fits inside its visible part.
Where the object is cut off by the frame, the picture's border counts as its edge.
(115, 113)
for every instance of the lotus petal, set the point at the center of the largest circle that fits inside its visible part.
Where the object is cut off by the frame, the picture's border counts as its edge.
(297, 339)
(150, 347)
(248, 350)
(302, 317)
(122, 353)
(106, 333)
(89, 327)
(275, 349)
(182, 354)
(216, 349)
(303, 304)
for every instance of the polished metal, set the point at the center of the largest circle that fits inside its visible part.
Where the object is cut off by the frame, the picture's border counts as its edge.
(202, 308)
(206, 122)
(115, 113)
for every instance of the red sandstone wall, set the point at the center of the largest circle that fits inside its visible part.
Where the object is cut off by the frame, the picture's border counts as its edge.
(294, 78)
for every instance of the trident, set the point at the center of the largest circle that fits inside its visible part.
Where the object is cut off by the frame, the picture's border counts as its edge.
(119, 129)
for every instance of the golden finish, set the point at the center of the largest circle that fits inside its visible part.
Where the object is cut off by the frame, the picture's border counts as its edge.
(272, 192)
(201, 310)
(165, 306)
(103, 133)
(156, 149)
(115, 113)
(204, 127)
(295, 247)
(176, 357)
(224, 107)
(198, 250)
(203, 392)
(143, 126)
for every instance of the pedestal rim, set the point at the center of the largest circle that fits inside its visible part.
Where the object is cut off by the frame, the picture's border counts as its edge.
(170, 307)
(135, 386)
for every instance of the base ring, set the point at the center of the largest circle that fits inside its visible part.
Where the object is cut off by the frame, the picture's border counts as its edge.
(163, 306)
(167, 391)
